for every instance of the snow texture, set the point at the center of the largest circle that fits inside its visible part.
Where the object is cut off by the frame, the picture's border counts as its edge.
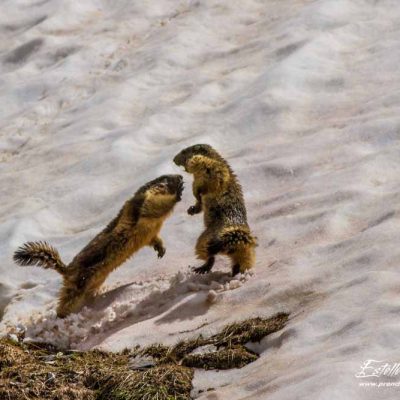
(301, 96)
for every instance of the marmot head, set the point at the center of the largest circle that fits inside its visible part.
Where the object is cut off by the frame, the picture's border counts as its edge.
(185, 155)
(165, 185)
(158, 197)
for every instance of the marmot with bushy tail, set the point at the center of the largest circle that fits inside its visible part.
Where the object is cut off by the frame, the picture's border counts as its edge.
(137, 225)
(218, 193)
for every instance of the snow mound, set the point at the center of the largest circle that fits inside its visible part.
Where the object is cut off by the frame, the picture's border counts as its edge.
(136, 301)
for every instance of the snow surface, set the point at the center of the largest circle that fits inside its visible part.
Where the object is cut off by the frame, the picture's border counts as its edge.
(300, 96)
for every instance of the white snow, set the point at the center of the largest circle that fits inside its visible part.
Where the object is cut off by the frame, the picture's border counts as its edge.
(301, 97)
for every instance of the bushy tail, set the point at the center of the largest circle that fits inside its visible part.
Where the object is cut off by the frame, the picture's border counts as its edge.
(232, 239)
(40, 254)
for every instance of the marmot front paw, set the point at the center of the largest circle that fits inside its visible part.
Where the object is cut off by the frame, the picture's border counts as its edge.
(160, 250)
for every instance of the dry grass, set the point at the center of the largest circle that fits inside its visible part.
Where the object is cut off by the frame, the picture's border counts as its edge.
(251, 330)
(29, 371)
(157, 351)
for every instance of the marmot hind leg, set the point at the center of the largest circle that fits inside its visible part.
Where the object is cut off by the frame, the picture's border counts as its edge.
(243, 259)
(206, 267)
(71, 301)
(203, 253)
(238, 244)
(77, 293)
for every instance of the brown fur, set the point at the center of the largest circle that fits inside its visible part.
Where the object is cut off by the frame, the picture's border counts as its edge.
(137, 224)
(219, 194)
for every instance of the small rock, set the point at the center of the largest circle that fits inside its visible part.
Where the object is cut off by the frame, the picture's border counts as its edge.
(13, 337)
(50, 377)
(212, 296)
(140, 363)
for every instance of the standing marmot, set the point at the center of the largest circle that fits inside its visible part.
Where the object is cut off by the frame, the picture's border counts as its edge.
(219, 195)
(137, 224)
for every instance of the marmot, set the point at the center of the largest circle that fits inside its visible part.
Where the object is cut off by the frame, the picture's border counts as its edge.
(137, 225)
(219, 195)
